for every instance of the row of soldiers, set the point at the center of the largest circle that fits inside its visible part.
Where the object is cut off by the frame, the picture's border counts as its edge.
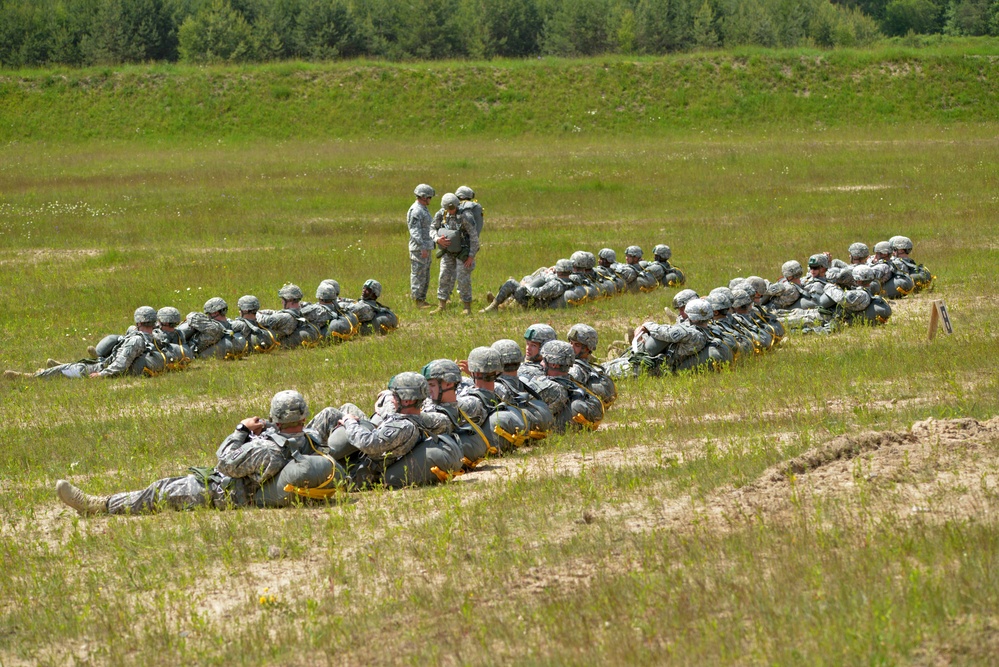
(585, 277)
(752, 315)
(161, 340)
(835, 291)
(425, 428)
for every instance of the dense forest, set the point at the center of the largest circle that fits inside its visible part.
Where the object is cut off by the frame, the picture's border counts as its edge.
(87, 32)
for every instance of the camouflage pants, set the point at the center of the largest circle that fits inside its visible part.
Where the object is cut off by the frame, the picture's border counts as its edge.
(78, 369)
(453, 268)
(179, 493)
(419, 275)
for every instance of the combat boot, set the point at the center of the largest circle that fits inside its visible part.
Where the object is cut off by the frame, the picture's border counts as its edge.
(492, 306)
(16, 375)
(52, 363)
(83, 503)
(92, 351)
(490, 296)
(421, 303)
(466, 307)
(441, 305)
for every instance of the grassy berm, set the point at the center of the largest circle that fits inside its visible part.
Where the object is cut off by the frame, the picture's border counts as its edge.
(833, 502)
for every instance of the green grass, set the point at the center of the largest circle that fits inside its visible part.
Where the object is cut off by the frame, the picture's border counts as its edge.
(503, 569)
(359, 100)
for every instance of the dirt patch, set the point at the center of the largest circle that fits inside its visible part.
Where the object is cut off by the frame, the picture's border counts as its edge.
(40, 255)
(942, 470)
(851, 188)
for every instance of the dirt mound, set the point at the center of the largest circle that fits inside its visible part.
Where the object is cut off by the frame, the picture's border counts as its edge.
(943, 469)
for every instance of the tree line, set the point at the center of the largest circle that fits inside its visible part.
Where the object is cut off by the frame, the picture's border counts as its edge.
(88, 32)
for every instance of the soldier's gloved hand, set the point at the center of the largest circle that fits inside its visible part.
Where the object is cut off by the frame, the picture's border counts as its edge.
(254, 424)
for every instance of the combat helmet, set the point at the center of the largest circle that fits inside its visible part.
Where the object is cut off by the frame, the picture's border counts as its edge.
(291, 292)
(758, 283)
(862, 273)
(509, 352)
(169, 315)
(449, 201)
(328, 290)
(859, 250)
(563, 266)
(464, 192)
(901, 243)
(583, 334)
(581, 259)
(288, 407)
(607, 254)
(540, 333)
(662, 252)
(682, 298)
(558, 354)
(485, 363)
(818, 260)
(882, 248)
(699, 310)
(720, 301)
(145, 315)
(248, 303)
(741, 297)
(409, 386)
(791, 269)
(442, 369)
(424, 191)
(216, 304)
(633, 251)
(374, 286)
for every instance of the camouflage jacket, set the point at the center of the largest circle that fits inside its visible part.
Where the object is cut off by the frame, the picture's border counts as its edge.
(419, 220)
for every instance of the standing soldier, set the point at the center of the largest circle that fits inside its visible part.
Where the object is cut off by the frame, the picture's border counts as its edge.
(454, 232)
(420, 244)
(466, 196)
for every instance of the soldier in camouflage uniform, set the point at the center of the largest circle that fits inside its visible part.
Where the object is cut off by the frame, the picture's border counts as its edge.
(463, 416)
(170, 340)
(814, 285)
(859, 252)
(583, 274)
(469, 203)
(515, 390)
(921, 276)
(254, 466)
(642, 280)
(606, 269)
(420, 244)
(211, 334)
(339, 325)
(508, 422)
(542, 289)
(536, 336)
(667, 274)
(895, 280)
(454, 232)
(374, 316)
(259, 337)
(589, 375)
(738, 340)
(290, 325)
(568, 402)
(401, 451)
(135, 353)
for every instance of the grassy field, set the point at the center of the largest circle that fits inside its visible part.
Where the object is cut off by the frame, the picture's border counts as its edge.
(739, 517)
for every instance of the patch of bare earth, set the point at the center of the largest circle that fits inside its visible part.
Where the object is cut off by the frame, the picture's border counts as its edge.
(941, 470)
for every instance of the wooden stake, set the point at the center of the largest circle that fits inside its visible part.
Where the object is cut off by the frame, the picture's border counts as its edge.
(934, 320)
